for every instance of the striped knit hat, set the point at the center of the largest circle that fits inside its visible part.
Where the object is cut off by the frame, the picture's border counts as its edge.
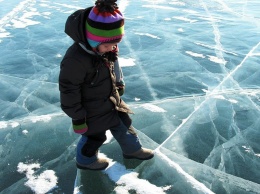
(105, 23)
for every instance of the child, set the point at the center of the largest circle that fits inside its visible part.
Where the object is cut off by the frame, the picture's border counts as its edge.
(91, 83)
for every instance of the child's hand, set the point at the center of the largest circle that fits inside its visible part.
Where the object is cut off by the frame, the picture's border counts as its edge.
(120, 88)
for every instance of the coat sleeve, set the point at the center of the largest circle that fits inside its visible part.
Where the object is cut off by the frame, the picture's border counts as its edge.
(118, 72)
(119, 78)
(71, 78)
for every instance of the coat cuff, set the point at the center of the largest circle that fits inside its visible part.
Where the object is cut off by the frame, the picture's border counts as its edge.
(79, 126)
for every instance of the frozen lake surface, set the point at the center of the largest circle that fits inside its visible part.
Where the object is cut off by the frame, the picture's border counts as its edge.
(192, 73)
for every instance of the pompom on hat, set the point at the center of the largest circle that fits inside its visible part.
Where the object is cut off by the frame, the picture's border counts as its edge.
(104, 24)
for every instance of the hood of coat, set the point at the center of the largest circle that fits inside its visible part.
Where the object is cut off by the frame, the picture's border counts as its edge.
(75, 26)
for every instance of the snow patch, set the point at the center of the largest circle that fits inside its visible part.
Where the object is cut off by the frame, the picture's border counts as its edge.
(3, 124)
(40, 184)
(128, 180)
(137, 99)
(25, 132)
(109, 136)
(126, 62)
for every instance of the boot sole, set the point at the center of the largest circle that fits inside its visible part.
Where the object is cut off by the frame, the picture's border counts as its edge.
(86, 168)
(132, 157)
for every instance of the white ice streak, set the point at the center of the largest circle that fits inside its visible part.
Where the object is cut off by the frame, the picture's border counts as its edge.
(29, 80)
(40, 184)
(184, 19)
(160, 7)
(213, 47)
(219, 97)
(195, 54)
(44, 118)
(216, 32)
(68, 6)
(217, 60)
(177, 3)
(201, 188)
(77, 188)
(211, 58)
(147, 34)
(255, 54)
(152, 108)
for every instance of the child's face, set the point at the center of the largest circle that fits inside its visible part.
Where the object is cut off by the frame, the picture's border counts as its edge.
(106, 47)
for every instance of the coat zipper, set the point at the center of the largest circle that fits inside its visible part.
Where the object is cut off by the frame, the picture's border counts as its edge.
(95, 79)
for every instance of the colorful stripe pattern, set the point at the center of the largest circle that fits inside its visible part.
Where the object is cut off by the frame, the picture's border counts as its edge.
(79, 126)
(104, 27)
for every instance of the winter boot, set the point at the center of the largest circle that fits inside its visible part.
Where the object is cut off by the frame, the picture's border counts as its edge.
(99, 164)
(89, 163)
(142, 154)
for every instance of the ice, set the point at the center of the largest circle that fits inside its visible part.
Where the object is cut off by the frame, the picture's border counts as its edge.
(192, 73)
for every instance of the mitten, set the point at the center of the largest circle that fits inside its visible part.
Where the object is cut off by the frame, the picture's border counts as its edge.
(79, 126)
(120, 88)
